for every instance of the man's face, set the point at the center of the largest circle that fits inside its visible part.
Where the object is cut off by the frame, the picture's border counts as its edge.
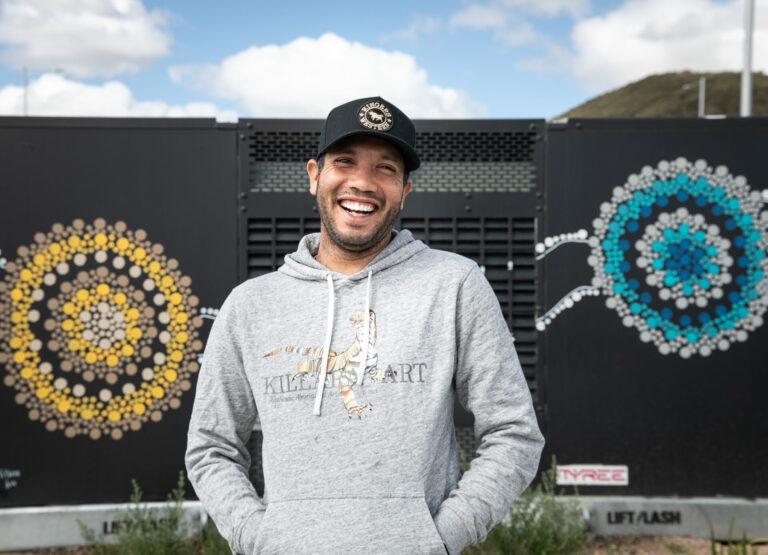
(359, 191)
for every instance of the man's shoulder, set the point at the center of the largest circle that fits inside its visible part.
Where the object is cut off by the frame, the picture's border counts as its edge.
(447, 260)
(258, 285)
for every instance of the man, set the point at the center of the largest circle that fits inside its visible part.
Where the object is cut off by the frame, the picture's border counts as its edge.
(352, 353)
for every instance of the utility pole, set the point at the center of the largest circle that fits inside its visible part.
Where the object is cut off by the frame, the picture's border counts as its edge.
(702, 95)
(746, 71)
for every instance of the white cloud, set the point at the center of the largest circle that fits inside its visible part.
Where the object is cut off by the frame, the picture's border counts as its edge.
(506, 25)
(421, 25)
(81, 37)
(307, 77)
(54, 95)
(643, 37)
(549, 8)
(511, 20)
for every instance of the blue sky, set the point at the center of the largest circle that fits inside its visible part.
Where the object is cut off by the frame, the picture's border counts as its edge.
(487, 58)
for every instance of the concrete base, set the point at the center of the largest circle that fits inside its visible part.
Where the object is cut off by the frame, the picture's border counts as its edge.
(56, 526)
(698, 517)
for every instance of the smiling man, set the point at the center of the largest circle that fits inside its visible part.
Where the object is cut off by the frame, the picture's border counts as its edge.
(352, 354)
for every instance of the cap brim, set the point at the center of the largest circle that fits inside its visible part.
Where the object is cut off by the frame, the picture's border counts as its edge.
(412, 161)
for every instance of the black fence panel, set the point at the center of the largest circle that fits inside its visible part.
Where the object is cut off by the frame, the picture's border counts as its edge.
(655, 279)
(119, 244)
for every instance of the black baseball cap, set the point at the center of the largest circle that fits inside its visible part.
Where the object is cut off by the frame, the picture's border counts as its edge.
(374, 117)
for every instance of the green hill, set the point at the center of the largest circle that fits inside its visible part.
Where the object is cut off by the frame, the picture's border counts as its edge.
(675, 95)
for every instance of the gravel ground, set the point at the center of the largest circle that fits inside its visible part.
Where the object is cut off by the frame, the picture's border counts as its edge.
(643, 545)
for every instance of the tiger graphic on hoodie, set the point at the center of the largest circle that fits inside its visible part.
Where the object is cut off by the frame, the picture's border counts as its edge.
(344, 364)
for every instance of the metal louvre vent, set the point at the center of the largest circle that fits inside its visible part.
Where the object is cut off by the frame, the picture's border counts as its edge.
(270, 239)
(504, 249)
(476, 146)
(452, 161)
(283, 146)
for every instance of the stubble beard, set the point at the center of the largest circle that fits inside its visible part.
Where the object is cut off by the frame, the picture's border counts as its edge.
(358, 243)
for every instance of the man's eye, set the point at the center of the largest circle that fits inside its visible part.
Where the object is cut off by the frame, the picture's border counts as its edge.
(343, 161)
(389, 169)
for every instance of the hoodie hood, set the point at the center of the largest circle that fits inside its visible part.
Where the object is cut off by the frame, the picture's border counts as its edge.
(301, 264)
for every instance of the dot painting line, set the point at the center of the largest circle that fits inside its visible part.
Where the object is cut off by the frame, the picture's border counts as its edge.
(568, 301)
(551, 243)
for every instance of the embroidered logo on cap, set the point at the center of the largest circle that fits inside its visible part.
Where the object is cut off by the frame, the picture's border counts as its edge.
(375, 115)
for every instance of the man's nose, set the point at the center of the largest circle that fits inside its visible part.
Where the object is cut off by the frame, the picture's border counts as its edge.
(363, 178)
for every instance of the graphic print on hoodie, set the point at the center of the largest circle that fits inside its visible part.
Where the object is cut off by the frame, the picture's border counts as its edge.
(361, 457)
(343, 365)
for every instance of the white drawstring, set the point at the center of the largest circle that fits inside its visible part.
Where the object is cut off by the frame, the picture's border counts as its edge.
(366, 333)
(326, 348)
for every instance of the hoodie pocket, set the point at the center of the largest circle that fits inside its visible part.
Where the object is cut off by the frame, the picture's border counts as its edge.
(391, 525)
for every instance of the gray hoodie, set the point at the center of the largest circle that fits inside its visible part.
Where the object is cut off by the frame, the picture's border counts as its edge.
(353, 379)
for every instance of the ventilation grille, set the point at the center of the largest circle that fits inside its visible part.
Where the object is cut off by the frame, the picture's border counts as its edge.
(452, 161)
(503, 247)
(270, 239)
(431, 177)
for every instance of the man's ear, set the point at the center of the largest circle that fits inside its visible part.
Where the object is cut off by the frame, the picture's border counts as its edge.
(406, 190)
(313, 173)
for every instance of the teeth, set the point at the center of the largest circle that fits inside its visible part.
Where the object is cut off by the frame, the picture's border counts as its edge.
(357, 206)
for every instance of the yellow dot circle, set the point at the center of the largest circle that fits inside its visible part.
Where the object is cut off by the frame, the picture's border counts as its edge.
(86, 414)
(82, 295)
(91, 358)
(170, 375)
(112, 361)
(139, 408)
(119, 298)
(27, 372)
(67, 325)
(100, 239)
(63, 406)
(127, 350)
(102, 289)
(114, 416)
(139, 253)
(157, 392)
(25, 275)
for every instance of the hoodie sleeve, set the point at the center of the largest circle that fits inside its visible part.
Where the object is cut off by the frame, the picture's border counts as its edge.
(223, 417)
(490, 384)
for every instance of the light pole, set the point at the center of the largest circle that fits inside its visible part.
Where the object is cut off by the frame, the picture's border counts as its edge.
(746, 70)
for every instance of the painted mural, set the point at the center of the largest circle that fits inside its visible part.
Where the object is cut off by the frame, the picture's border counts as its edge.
(98, 329)
(679, 252)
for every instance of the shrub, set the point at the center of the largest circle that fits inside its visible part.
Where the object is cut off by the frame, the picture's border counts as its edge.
(146, 531)
(538, 523)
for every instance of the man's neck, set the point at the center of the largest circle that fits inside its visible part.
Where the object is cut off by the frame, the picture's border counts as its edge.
(343, 261)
